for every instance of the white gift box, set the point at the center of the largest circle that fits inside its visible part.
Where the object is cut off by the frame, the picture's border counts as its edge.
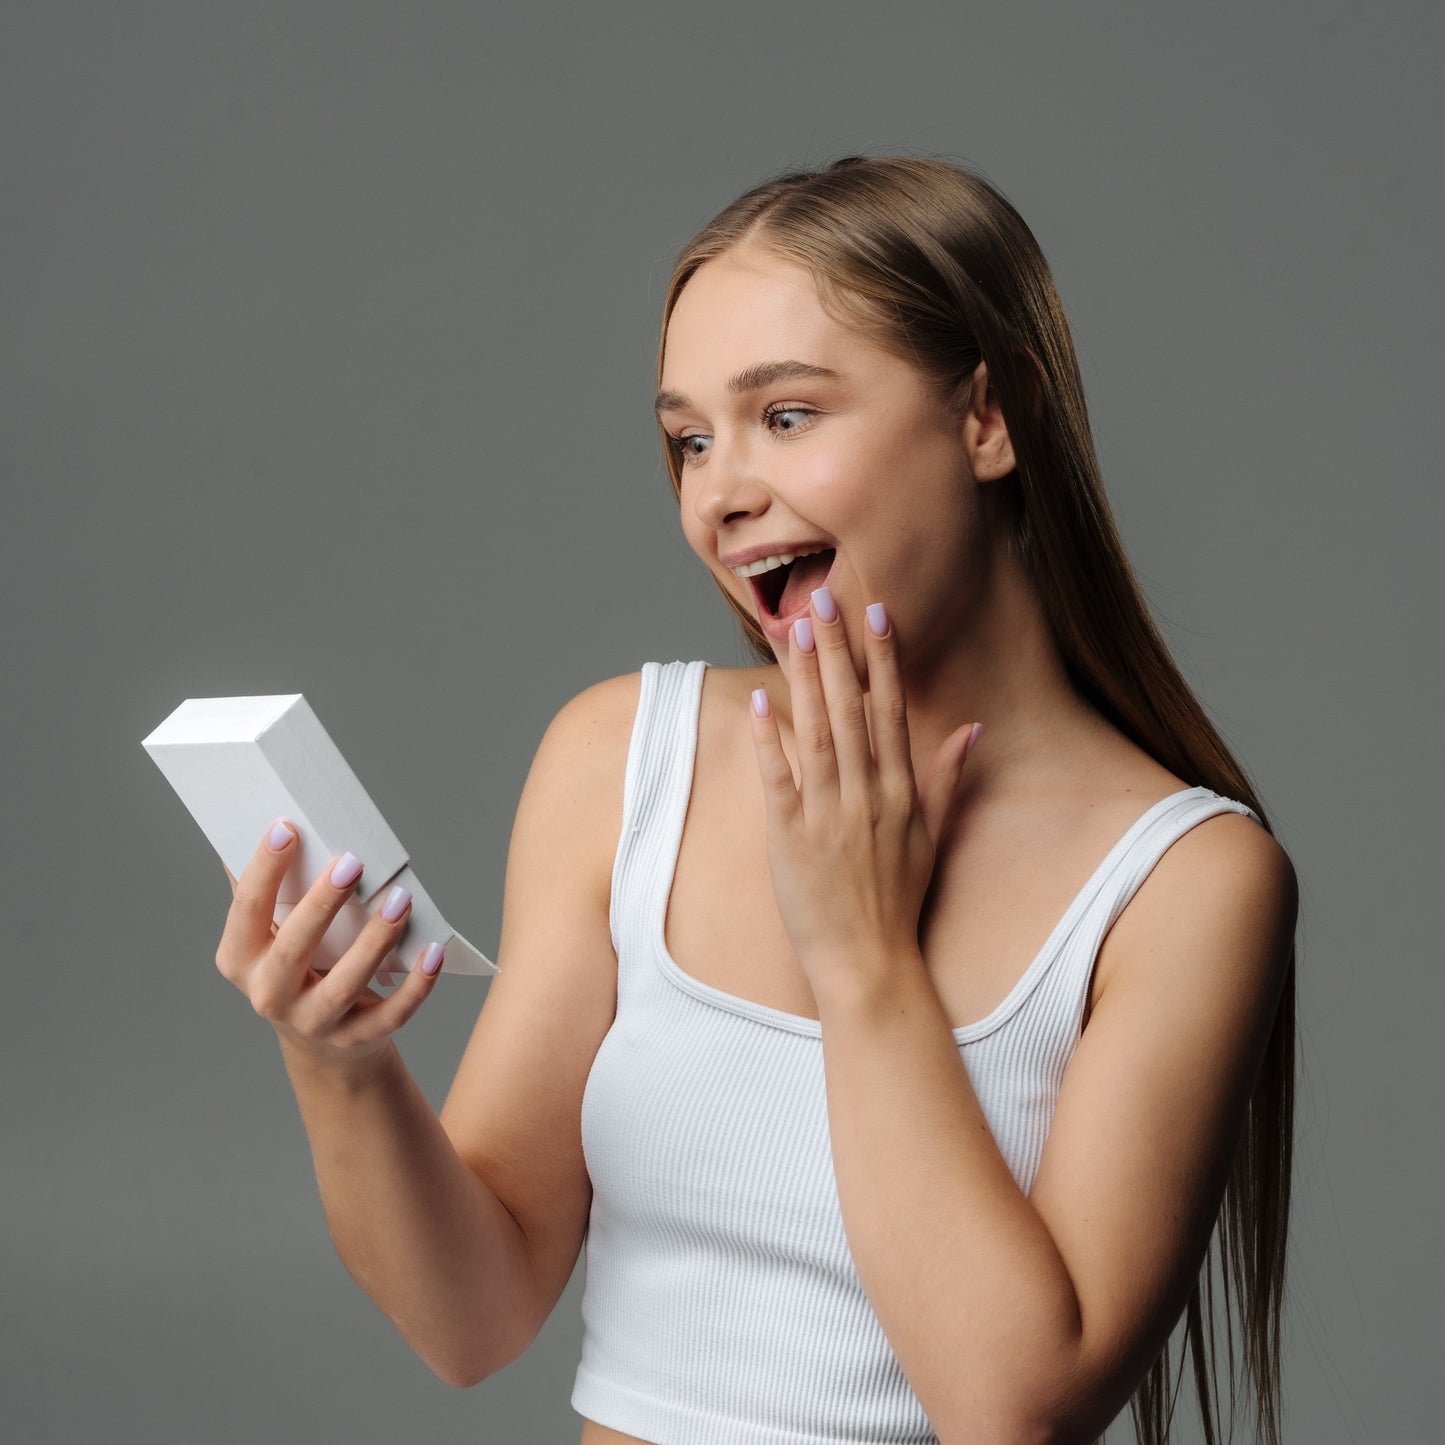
(239, 763)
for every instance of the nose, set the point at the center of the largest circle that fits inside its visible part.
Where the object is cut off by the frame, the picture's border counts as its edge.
(729, 487)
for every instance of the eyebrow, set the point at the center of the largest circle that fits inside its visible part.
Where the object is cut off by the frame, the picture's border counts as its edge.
(751, 378)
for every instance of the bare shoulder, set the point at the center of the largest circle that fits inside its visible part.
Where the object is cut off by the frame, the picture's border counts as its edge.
(581, 761)
(607, 703)
(596, 724)
(1228, 878)
(1229, 853)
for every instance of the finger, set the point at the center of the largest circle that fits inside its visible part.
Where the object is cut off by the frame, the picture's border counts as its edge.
(372, 1023)
(250, 923)
(347, 982)
(284, 971)
(780, 793)
(888, 707)
(812, 733)
(939, 792)
(842, 697)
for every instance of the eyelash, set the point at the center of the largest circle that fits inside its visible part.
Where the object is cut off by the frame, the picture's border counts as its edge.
(678, 445)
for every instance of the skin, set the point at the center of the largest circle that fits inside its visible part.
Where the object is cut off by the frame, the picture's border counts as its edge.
(908, 492)
(904, 490)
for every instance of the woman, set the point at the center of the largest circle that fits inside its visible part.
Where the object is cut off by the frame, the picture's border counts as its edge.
(900, 1013)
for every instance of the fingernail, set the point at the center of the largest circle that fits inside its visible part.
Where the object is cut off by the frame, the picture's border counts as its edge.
(803, 634)
(760, 701)
(395, 904)
(826, 607)
(972, 739)
(280, 835)
(431, 960)
(347, 871)
(877, 619)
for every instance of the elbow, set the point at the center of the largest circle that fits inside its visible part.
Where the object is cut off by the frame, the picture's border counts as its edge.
(472, 1376)
(457, 1381)
(461, 1375)
(1043, 1419)
(1056, 1427)
(1055, 1424)
(465, 1379)
(1018, 1430)
(466, 1373)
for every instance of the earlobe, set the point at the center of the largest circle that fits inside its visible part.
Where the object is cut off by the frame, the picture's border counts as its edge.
(996, 460)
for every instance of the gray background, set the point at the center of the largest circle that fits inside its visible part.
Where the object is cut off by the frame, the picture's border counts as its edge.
(328, 343)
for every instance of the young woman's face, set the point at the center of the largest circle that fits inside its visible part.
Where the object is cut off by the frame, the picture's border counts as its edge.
(866, 462)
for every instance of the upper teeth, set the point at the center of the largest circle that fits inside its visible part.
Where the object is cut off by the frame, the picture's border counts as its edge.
(767, 564)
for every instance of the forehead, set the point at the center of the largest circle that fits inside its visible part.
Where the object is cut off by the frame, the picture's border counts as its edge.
(749, 305)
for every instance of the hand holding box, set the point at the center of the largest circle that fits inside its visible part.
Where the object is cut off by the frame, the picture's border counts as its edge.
(238, 763)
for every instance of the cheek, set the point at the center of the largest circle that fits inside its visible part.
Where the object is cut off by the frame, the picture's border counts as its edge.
(855, 476)
(834, 492)
(698, 535)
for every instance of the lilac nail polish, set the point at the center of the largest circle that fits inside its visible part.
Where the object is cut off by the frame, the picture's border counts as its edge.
(395, 904)
(347, 871)
(803, 632)
(877, 618)
(823, 601)
(432, 959)
(280, 835)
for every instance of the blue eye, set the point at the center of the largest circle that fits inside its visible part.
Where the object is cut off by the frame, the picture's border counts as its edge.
(680, 447)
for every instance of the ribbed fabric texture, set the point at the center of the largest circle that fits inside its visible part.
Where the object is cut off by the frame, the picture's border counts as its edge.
(721, 1304)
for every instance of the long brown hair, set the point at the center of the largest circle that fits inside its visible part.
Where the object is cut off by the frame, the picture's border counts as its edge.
(931, 261)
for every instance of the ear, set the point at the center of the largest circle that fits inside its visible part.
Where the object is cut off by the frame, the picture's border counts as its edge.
(985, 434)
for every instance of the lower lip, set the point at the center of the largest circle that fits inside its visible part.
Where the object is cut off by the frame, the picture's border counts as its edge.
(777, 628)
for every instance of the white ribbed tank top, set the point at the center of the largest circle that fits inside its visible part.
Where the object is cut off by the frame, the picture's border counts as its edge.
(721, 1305)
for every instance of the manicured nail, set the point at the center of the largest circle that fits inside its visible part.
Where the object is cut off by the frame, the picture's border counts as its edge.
(877, 618)
(972, 739)
(347, 871)
(280, 835)
(760, 701)
(395, 904)
(803, 634)
(431, 960)
(823, 601)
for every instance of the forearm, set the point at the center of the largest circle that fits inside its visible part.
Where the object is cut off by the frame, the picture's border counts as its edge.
(426, 1239)
(961, 1271)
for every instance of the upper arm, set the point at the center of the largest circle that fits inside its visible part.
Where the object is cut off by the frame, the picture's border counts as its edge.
(514, 1109)
(1154, 1100)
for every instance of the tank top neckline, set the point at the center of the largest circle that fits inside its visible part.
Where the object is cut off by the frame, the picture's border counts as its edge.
(813, 1028)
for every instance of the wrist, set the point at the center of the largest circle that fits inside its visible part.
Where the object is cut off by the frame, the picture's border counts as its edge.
(329, 1067)
(864, 978)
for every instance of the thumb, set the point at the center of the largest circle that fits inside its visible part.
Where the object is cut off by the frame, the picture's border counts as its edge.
(940, 786)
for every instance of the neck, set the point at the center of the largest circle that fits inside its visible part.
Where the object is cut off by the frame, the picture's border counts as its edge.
(999, 666)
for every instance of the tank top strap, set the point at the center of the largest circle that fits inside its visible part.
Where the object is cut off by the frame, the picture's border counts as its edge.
(656, 789)
(1163, 826)
(1118, 880)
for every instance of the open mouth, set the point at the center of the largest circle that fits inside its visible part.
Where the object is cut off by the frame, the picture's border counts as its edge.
(786, 588)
